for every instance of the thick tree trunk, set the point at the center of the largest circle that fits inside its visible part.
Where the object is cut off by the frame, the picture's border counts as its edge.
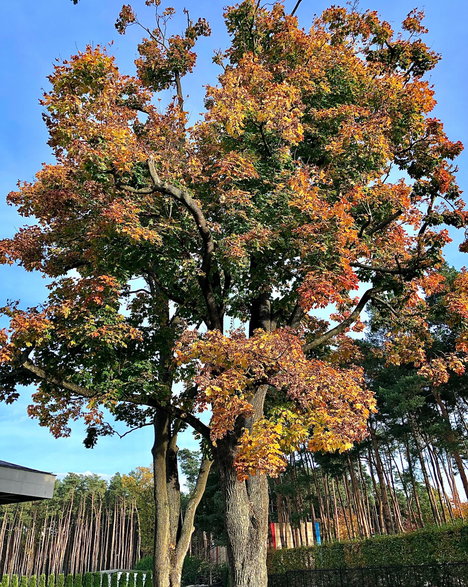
(246, 504)
(161, 560)
(173, 488)
(246, 519)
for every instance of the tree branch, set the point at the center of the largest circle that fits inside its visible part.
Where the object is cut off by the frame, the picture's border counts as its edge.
(194, 422)
(296, 316)
(186, 199)
(172, 295)
(381, 225)
(346, 322)
(206, 284)
(386, 305)
(295, 7)
(187, 526)
(132, 190)
(398, 271)
(68, 385)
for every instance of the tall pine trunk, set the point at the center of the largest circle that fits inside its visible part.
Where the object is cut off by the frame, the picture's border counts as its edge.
(453, 441)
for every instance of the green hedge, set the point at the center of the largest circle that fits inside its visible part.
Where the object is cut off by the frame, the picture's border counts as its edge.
(430, 545)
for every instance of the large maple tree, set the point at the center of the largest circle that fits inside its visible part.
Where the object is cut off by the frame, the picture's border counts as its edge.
(314, 184)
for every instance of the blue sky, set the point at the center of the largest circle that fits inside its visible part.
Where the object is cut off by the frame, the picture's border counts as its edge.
(34, 35)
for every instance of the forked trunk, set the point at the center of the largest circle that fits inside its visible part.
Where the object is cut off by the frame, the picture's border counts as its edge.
(171, 538)
(246, 518)
(175, 578)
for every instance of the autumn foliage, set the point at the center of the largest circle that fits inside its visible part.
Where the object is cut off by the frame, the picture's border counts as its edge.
(323, 406)
(315, 183)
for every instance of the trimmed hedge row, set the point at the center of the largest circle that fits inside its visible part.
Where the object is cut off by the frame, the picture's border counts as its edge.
(121, 579)
(427, 546)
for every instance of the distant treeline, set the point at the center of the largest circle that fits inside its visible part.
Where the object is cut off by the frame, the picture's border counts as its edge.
(87, 526)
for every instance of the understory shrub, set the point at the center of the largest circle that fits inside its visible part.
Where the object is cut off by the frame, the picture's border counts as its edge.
(144, 564)
(426, 546)
(195, 570)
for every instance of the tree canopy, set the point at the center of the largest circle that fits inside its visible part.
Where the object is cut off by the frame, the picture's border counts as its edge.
(316, 183)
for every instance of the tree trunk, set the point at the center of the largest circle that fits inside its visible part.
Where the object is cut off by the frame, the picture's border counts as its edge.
(413, 483)
(246, 519)
(387, 516)
(187, 527)
(171, 537)
(453, 440)
(161, 560)
(427, 483)
(246, 513)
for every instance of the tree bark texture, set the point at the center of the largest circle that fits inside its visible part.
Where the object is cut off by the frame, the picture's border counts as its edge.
(171, 535)
(246, 519)
(246, 503)
(161, 560)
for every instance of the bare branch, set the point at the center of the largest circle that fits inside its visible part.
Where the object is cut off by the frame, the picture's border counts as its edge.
(132, 429)
(295, 7)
